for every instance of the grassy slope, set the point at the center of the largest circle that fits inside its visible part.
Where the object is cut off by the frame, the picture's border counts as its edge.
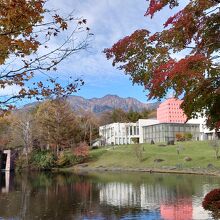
(124, 156)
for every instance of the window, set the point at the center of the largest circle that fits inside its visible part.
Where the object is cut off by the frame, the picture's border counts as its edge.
(134, 130)
(130, 130)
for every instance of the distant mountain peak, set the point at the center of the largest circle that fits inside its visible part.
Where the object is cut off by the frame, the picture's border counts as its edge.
(112, 96)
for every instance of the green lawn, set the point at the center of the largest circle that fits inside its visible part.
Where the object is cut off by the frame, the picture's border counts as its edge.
(124, 156)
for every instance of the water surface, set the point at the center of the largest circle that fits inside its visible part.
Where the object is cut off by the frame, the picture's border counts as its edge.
(126, 196)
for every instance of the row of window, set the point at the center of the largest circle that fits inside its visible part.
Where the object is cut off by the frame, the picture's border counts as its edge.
(162, 133)
(172, 127)
(122, 141)
(131, 130)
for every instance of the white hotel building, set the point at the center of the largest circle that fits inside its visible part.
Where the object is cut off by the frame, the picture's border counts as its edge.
(118, 133)
(124, 133)
(163, 129)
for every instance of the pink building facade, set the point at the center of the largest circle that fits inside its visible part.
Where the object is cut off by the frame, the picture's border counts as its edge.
(170, 112)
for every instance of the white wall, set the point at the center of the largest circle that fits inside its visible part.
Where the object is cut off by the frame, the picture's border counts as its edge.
(115, 133)
(202, 127)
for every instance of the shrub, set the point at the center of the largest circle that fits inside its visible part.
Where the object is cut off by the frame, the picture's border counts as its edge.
(184, 136)
(212, 200)
(42, 159)
(66, 159)
(188, 136)
(81, 152)
(21, 162)
(180, 137)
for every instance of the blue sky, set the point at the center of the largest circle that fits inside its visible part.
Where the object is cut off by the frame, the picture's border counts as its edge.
(109, 21)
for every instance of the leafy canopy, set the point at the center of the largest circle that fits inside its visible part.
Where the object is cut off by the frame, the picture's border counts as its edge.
(149, 58)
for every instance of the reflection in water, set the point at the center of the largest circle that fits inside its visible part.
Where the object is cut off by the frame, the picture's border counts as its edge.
(104, 196)
(144, 196)
(181, 210)
(150, 197)
(6, 182)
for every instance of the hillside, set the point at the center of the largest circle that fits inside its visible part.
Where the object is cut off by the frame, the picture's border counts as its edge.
(156, 158)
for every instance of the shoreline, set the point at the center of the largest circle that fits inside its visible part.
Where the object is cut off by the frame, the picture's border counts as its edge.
(172, 170)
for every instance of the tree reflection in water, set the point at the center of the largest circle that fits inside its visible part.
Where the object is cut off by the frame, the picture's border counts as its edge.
(103, 196)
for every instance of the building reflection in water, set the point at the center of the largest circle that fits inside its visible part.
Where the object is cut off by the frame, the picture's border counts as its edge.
(6, 182)
(68, 196)
(142, 196)
(181, 210)
(153, 197)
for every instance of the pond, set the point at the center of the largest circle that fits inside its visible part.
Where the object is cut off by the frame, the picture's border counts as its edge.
(97, 196)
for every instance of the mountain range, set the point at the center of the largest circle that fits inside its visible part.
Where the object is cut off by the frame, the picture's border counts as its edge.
(108, 103)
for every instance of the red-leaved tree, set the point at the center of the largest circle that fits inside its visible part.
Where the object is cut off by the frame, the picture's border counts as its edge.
(150, 58)
(81, 152)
